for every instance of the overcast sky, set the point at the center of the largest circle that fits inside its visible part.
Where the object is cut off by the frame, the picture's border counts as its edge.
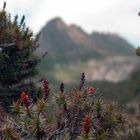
(117, 16)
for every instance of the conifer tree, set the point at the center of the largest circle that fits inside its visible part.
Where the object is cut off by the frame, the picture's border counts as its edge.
(17, 45)
(138, 49)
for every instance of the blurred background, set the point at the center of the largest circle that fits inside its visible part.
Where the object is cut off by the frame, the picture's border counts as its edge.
(97, 37)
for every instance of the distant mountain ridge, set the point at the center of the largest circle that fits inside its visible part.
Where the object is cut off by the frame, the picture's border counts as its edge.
(70, 44)
(56, 35)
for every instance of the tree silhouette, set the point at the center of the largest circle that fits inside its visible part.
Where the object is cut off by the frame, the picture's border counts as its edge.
(17, 45)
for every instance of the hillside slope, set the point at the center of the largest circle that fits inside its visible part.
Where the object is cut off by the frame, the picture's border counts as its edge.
(71, 51)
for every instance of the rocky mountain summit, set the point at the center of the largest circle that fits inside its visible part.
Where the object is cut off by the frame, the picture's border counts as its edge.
(102, 56)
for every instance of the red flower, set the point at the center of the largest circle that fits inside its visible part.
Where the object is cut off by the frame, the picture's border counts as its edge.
(46, 89)
(86, 125)
(25, 99)
(91, 90)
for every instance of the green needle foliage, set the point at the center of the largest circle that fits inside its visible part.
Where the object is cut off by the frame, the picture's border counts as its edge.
(17, 45)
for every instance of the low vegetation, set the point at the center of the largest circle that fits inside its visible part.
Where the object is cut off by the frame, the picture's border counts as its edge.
(79, 114)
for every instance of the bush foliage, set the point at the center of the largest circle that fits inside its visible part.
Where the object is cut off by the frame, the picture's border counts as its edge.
(80, 114)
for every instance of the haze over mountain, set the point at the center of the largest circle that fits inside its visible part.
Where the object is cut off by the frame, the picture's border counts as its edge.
(102, 56)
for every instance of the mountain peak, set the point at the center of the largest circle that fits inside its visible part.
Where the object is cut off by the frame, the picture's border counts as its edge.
(71, 50)
(57, 22)
(58, 35)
